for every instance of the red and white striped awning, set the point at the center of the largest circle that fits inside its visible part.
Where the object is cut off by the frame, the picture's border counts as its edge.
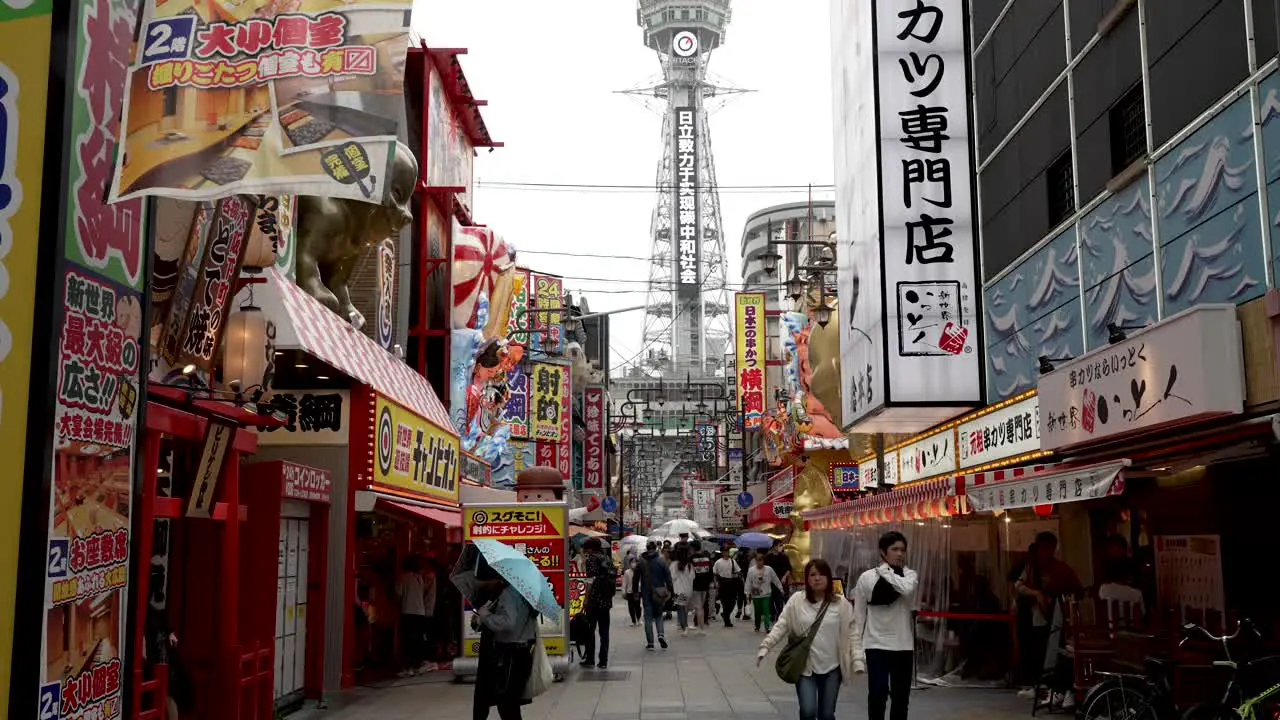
(1040, 485)
(328, 337)
(922, 500)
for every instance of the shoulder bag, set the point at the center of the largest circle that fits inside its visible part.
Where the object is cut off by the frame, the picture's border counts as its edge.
(540, 675)
(795, 655)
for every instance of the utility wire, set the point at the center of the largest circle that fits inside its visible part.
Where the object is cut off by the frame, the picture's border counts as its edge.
(582, 255)
(647, 186)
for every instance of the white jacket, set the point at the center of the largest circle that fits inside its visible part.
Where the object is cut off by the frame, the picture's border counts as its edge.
(884, 627)
(789, 624)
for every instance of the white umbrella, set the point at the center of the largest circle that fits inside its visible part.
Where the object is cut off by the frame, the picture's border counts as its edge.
(672, 529)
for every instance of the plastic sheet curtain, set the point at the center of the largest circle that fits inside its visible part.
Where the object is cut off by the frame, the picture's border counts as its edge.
(851, 551)
(961, 571)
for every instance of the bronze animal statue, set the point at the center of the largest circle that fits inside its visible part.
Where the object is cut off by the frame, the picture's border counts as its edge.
(332, 234)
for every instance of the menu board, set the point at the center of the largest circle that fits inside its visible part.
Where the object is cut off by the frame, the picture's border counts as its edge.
(1189, 572)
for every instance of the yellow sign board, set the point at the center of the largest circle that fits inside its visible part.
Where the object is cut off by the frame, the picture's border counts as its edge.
(24, 78)
(413, 454)
(749, 332)
(547, 384)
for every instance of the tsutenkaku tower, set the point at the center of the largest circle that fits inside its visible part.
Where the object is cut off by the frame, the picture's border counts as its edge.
(686, 324)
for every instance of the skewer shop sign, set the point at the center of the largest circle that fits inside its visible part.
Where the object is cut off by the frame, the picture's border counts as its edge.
(1186, 367)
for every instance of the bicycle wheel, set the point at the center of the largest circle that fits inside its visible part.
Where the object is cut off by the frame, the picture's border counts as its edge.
(1119, 701)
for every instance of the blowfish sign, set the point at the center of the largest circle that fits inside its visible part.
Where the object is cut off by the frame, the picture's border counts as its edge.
(750, 359)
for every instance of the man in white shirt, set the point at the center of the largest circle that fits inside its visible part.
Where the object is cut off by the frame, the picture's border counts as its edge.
(884, 629)
(729, 582)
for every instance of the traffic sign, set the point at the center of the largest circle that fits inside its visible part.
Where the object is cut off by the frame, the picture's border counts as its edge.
(610, 504)
(744, 499)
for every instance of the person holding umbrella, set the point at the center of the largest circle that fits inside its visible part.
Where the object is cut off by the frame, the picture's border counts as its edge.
(508, 592)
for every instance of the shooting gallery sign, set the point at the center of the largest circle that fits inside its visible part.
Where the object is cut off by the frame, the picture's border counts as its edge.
(413, 454)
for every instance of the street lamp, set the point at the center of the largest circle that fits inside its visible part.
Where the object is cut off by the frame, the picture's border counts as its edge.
(822, 314)
(795, 287)
(770, 260)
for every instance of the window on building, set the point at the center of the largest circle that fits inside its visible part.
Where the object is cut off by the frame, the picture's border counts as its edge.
(1128, 121)
(684, 14)
(1062, 197)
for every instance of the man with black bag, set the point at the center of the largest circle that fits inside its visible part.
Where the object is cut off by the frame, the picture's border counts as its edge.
(603, 579)
(884, 629)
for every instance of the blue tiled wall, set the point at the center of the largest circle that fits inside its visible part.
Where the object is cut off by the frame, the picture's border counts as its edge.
(1211, 236)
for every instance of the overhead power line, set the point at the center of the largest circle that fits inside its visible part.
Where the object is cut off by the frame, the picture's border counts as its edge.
(648, 186)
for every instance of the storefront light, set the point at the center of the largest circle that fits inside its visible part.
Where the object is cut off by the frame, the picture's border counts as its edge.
(248, 359)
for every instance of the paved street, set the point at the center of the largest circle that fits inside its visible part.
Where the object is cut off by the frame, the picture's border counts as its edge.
(707, 678)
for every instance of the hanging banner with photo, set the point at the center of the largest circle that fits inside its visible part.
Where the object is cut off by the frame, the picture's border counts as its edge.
(97, 353)
(263, 96)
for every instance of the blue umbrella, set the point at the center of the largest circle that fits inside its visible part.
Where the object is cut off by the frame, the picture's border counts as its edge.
(522, 574)
(755, 541)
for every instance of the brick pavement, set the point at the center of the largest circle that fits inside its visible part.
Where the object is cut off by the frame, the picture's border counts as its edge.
(707, 678)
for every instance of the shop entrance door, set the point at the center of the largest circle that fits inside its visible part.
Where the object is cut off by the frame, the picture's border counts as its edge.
(291, 604)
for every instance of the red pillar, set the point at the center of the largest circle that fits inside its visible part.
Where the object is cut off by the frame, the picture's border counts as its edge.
(229, 590)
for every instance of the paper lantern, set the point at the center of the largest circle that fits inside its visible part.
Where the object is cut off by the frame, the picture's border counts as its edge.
(249, 347)
(1044, 510)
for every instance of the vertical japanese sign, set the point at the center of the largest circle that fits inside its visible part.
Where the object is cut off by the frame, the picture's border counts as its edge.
(193, 330)
(540, 531)
(227, 98)
(516, 411)
(565, 448)
(25, 30)
(547, 299)
(593, 411)
(908, 266)
(684, 215)
(386, 326)
(706, 437)
(749, 336)
(548, 405)
(97, 323)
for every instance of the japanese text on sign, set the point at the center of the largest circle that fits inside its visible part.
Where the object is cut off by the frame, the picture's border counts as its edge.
(593, 409)
(238, 54)
(1000, 434)
(413, 454)
(548, 385)
(685, 209)
(98, 362)
(750, 357)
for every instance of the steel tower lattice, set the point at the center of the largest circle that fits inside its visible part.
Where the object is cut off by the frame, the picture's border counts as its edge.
(685, 333)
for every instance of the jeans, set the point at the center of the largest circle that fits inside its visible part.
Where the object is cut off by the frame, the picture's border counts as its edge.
(818, 695)
(682, 616)
(652, 616)
(889, 678)
(761, 605)
(598, 620)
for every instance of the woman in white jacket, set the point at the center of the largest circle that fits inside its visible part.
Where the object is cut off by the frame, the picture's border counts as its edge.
(831, 656)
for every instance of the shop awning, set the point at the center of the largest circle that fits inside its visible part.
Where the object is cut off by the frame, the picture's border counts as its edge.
(447, 518)
(773, 510)
(1041, 485)
(320, 332)
(918, 501)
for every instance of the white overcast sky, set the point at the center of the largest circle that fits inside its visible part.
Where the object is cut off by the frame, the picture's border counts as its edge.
(549, 71)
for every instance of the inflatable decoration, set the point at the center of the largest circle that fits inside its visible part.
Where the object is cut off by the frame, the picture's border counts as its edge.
(479, 391)
(483, 266)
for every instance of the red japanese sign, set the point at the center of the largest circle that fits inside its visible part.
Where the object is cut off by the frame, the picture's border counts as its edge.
(593, 457)
(299, 482)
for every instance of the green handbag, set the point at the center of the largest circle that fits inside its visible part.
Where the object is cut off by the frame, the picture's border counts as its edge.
(795, 655)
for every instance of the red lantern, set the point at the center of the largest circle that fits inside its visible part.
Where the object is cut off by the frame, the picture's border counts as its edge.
(1044, 510)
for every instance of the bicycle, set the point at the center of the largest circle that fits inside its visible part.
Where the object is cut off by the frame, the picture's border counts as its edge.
(1229, 707)
(1149, 695)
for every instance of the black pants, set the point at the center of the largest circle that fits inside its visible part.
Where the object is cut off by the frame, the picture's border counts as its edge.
(413, 639)
(598, 621)
(728, 594)
(889, 679)
(506, 711)
(634, 610)
(778, 599)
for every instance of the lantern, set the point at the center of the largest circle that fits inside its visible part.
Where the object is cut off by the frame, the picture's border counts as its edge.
(1044, 510)
(249, 347)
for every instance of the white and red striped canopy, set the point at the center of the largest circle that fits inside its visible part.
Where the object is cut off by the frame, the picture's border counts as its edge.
(328, 337)
(927, 499)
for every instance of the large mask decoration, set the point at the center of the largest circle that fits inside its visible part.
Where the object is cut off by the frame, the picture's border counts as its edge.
(333, 233)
